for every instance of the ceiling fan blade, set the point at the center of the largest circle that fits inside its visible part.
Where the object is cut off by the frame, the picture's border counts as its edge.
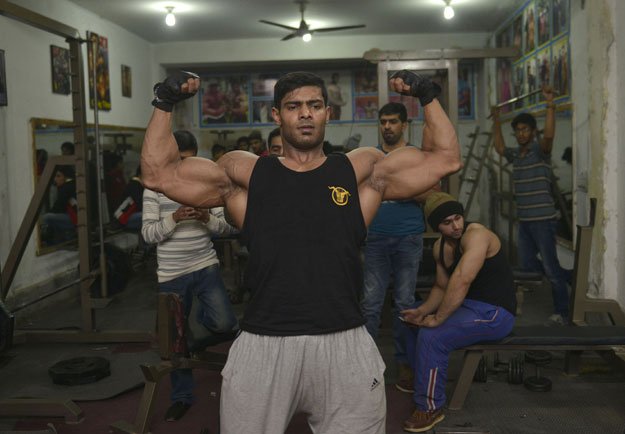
(271, 23)
(287, 37)
(332, 29)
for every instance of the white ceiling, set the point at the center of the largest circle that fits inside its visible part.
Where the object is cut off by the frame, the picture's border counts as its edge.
(238, 19)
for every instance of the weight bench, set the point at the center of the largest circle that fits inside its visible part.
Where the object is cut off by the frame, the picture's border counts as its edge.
(572, 339)
(173, 347)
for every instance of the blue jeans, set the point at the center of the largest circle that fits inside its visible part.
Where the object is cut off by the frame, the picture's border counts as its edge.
(58, 227)
(386, 255)
(215, 314)
(429, 348)
(540, 237)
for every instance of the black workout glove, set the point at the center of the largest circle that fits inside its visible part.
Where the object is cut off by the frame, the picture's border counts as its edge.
(420, 87)
(168, 93)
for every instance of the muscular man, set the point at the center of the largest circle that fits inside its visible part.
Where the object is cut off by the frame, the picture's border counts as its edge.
(304, 347)
(394, 248)
(472, 300)
(188, 266)
(535, 205)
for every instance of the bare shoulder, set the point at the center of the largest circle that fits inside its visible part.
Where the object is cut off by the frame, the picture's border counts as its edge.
(363, 160)
(238, 165)
(479, 235)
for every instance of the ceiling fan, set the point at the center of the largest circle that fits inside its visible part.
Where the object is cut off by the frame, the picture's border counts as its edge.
(304, 31)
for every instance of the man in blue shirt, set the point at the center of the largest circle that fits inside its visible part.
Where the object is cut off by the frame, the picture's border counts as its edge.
(536, 210)
(394, 248)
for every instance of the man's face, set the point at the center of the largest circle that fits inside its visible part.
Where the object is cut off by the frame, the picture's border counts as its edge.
(275, 146)
(452, 226)
(59, 178)
(524, 134)
(256, 145)
(302, 117)
(392, 129)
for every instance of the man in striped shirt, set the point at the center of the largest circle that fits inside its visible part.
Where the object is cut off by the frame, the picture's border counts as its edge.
(188, 266)
(535, 205)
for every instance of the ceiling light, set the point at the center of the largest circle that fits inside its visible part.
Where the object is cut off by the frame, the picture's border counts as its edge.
(448, 12)
(170, 18)
(307, 37)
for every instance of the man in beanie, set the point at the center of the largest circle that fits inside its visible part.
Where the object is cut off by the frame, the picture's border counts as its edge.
(472, 300)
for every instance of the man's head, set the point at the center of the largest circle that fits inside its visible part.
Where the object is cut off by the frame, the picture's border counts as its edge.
(524, 127)
(393, 122)
(67, 148)
(218, 151)
(187, 143)
(257, 144)
(295, 80)
(243, 144)
(301, 110)
(274, 141)
(63, 174)
(445, 214)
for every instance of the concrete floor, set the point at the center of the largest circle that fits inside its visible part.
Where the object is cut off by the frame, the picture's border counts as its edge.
(593, 402)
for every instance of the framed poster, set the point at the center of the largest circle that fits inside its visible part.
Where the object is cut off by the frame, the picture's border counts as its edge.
(504, 83)
(411, 104)
(339, 86)
(466, 91)
(517, 33)
(560, 66)
(531, 81)
(366, 80)
(99, 44)
(126, 81)
(366, 107)
(543, 12)
(3, 81)
(59, 62)
(225, 100)
(518, 84)
(529, 27)
(560, 17)
(543, 65)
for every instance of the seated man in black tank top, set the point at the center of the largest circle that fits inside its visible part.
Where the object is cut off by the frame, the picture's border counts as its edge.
(303, 217)
(472, 300)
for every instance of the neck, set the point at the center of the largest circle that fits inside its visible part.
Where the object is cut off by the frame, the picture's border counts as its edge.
(400, 144)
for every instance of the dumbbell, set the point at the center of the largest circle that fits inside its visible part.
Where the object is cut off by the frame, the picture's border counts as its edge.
(538, 383)
(513, 368)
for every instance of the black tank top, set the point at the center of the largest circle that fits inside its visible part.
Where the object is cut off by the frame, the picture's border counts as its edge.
(304, 231)
(493, 284)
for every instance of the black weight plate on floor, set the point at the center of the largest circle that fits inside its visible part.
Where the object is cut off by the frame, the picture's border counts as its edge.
(79, 370)
(481, 373)
(537, 384)
(515, 371)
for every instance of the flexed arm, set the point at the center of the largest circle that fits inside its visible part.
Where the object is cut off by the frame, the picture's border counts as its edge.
(195, 181)
(408, 172)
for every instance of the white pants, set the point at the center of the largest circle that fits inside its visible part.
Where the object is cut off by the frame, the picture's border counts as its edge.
(336, 378)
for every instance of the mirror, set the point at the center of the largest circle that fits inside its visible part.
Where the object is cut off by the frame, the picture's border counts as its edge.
(120, 147)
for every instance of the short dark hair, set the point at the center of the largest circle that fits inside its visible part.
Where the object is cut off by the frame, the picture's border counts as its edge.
(275, 132)
(394, 108)
(67, 171)
(69, 146)
(186, 141)
(217, 148)
(294, 80)
(524, 118)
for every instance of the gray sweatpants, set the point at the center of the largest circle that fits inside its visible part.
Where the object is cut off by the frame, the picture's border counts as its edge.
(337, 379)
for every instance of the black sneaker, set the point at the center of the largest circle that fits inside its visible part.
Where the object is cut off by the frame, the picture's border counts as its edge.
(176, 411)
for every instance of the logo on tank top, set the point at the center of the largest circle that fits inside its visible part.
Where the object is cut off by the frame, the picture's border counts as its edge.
(340, 196)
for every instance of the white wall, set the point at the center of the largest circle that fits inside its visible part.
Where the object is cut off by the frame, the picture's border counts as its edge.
(27, 52)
